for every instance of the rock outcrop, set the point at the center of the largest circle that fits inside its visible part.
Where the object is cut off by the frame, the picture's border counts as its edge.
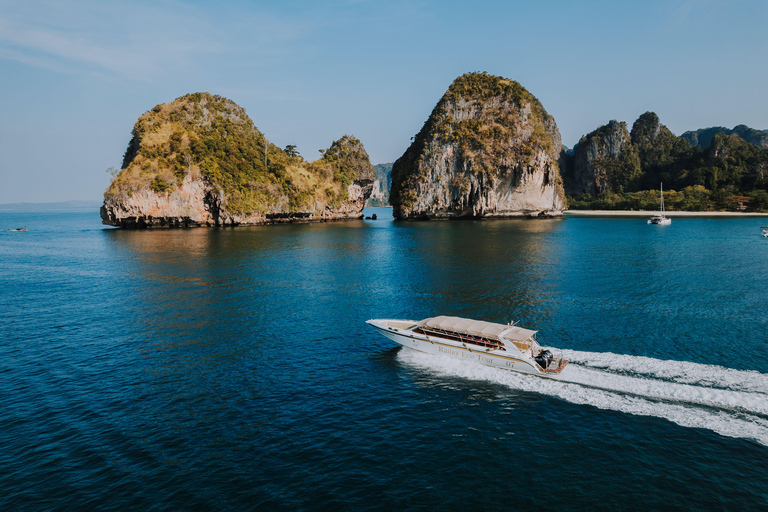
(648, 132)
(610, 159)
(596, 157)
(381, 185)
(489, 149)
(200, 161)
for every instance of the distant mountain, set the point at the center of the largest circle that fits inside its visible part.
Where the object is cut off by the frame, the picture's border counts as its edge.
(381, 185)
(703, 137)
(63, 206)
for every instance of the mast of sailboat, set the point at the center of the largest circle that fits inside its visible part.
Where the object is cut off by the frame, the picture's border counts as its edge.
(661, 190)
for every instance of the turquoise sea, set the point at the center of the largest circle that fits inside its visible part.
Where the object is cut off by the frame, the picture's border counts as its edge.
(232, 369)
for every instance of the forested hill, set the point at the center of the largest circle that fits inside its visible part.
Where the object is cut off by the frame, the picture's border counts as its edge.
(703, 137)
(615, 168)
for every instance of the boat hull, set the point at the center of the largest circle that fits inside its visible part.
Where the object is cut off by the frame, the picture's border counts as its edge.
(438, 346)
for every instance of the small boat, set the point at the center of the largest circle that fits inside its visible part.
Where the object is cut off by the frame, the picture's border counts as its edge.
(660, 219)
(21, 229)
(765, 231)
(502, 346)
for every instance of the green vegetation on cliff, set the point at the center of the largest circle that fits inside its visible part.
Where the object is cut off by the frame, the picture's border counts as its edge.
(730, 174)
(661, 152)
(345, 160)
(492, 122)
(205, 136)
(491, 130)
(619, 172)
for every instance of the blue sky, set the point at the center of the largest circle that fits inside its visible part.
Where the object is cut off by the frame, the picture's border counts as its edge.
(75, 76)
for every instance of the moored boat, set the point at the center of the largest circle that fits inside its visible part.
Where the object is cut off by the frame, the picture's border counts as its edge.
(661, 219)
(502, 346)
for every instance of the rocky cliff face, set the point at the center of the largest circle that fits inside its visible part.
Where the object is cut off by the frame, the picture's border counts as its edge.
(193, 203)
(593, 158)
(200, 161)
(489, 149)
(381, 185)
(610, 159)
(646, 129)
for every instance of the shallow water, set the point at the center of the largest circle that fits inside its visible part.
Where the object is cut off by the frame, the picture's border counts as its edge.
(231, 369)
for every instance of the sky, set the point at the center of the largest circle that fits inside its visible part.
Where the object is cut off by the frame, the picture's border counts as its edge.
(76, 75)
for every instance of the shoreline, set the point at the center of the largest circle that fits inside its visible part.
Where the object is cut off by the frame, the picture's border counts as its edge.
(648, 213)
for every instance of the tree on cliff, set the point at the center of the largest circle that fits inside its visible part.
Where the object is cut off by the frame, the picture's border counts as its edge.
(290, 150)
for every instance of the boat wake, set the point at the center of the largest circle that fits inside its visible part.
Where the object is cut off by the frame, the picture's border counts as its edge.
(733, 403)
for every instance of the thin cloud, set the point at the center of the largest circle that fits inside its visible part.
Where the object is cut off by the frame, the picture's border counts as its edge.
(138, 42)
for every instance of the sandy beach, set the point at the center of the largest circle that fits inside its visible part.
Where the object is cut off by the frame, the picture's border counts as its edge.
(647, 213)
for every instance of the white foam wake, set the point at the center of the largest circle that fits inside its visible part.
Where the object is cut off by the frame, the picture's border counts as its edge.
(730, 402)
(677, 371)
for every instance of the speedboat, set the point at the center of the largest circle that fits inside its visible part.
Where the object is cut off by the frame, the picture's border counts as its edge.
(765, 230)
(502, 346)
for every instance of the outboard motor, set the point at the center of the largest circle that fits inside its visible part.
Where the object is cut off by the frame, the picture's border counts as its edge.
(544, 358)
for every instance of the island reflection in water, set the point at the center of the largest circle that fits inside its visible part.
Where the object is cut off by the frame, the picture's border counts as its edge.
(458, 267)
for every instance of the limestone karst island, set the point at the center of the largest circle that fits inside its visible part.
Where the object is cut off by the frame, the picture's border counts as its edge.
(488, 149)
(200, 161)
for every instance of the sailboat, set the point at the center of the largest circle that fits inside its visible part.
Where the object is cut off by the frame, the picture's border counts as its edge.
(660, 219)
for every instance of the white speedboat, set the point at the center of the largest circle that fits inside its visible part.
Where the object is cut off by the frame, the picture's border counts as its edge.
(765, 231)
(502, 346)
(661, 219)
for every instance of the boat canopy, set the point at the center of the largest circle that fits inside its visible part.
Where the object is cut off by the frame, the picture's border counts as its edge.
(477, 328)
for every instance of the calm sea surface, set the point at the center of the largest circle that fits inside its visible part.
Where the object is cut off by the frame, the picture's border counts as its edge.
(232, 369)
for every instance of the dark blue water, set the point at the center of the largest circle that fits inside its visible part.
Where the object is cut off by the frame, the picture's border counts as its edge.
(231, 369)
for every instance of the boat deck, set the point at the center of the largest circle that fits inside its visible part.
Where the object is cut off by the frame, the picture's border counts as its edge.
(557, 370)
